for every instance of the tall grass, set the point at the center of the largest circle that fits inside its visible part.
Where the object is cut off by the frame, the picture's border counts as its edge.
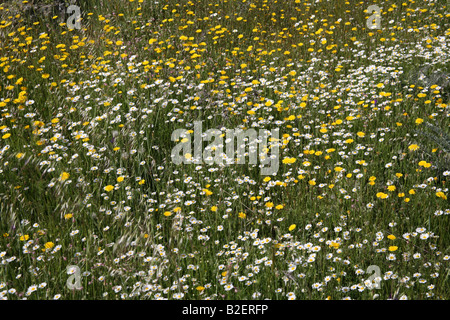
(82, 108)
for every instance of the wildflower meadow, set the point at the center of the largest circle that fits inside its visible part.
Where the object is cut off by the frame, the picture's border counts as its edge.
(225, 149)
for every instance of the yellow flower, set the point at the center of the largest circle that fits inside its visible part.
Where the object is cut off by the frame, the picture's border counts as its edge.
(19, 155)
(442, 195)
(49, 245)
(279, 207)
(141, 182)
(393, 248)
(419, 121)
(292, 227)
(24, 238)
(269, 204)
(334, 245)
(167, 213)
(424, 164)
(312, 182)
(200, 288)
(242, 215)
(207, 192)
(120, 179)
(6, 136)
(391, 188)
(64, 176)
(108, 188)
(289, 160)
(382, 195)
(413, 147)
(391, 237)
(213, 208)
(68, 216)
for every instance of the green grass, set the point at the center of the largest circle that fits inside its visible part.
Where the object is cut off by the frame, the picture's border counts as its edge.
(80, 108)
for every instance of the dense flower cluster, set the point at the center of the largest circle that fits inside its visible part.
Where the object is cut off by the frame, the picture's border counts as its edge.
(86, 118)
